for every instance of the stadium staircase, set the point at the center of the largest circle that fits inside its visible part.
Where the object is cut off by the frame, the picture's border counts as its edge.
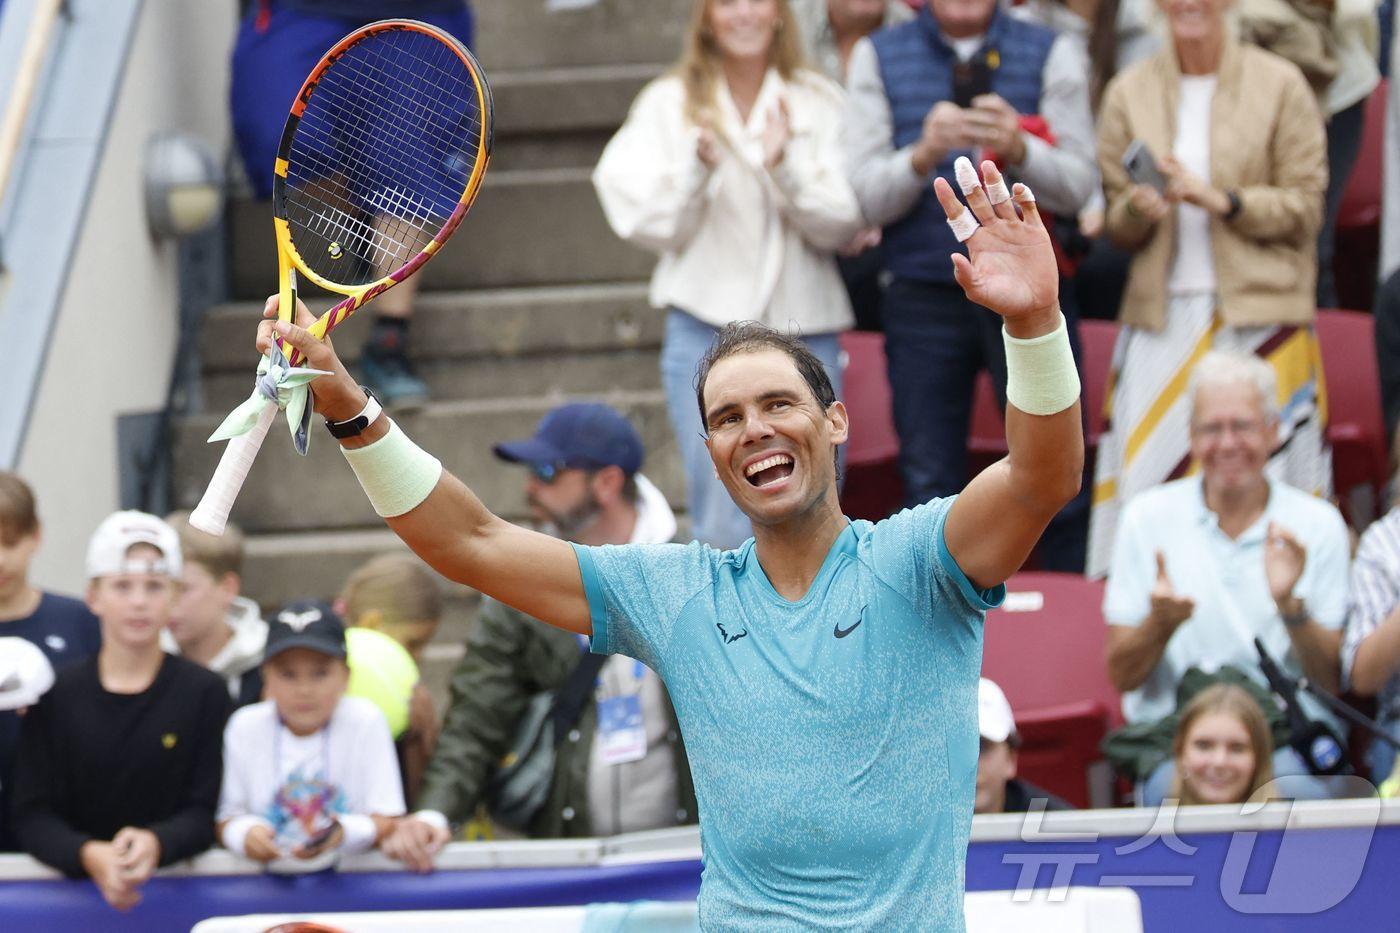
(533, 302)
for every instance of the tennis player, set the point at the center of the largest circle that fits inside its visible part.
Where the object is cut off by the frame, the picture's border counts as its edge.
(825, 673)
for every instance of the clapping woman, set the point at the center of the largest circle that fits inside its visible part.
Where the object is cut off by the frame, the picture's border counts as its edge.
(1224, 250)
(728, 168)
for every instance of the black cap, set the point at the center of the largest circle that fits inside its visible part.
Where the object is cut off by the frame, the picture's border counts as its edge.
(306, 623)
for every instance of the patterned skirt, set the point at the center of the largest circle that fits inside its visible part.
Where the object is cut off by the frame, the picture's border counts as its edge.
(1149, 410)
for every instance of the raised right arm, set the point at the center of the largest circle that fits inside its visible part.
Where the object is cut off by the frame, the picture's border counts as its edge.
(450, 528)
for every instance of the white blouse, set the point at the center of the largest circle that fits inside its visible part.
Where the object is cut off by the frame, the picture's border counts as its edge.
(1193, 266)
(737, 242)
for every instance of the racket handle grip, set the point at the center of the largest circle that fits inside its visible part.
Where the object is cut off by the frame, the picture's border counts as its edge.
(211, 515)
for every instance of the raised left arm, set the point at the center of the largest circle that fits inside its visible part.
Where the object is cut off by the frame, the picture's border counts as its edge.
(1010, 268)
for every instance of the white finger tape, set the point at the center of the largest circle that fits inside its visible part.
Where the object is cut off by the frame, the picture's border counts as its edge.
(964, 225)
(1024, 195)
(966, 175)
(998, 193)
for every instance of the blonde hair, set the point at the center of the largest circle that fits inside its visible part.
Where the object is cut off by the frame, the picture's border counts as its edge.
(218, 554)
(700, 69)
(396, 585)
(1232, 700)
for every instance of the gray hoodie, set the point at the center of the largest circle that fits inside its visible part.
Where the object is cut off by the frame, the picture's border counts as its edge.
(241, 655)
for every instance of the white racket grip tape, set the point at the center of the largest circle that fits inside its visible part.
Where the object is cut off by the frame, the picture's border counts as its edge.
(211, 515)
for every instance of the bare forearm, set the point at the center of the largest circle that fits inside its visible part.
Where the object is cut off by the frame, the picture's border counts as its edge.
(454, 532)
(1377, 656)
(1320, 651)
(1134, 652)
(1021, 494)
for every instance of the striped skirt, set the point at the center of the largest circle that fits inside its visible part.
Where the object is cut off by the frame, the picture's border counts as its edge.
(1149, 416)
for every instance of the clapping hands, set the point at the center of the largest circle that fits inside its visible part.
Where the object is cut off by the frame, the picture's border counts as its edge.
(1168, 608)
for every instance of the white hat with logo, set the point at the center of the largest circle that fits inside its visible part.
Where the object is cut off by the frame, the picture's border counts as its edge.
(119, 532)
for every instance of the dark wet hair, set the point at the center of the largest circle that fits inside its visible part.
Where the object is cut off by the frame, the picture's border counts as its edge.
(752, 337)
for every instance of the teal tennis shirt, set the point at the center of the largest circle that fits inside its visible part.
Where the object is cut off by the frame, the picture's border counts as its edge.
(833, 740)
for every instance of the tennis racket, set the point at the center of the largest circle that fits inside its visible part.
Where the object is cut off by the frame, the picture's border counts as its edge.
(381, 157)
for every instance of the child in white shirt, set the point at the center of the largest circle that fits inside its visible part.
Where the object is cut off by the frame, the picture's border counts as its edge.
(310, 771)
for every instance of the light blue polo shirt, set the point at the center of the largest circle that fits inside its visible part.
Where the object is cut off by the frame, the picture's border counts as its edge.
(1226, 579)
(833, 740)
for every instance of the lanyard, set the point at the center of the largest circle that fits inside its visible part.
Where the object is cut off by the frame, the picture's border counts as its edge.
(277, 753)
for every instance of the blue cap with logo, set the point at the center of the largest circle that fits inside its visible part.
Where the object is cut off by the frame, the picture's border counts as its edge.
(580, 435)
(306, 623)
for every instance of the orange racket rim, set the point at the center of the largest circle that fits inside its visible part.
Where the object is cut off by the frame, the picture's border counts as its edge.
(357, 295)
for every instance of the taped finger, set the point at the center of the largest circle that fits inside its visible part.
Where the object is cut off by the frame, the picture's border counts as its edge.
(1025, 200)
(971, 184)
(964, 225)
(966, 175)
(998, 193)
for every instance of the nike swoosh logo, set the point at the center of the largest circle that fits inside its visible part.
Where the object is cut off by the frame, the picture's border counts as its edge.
(840, 632)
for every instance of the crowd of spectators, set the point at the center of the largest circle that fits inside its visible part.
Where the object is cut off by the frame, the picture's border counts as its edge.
(782, 173)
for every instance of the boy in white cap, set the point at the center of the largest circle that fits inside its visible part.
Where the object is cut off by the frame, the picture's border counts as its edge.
(998, 788)
(119, 763)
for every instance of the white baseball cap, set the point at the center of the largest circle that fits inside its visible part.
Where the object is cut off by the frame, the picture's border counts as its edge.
(106, 554)
(994, 719)
(25, 673)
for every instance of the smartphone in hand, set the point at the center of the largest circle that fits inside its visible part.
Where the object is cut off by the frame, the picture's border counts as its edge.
(971, 79)
(1142, 167)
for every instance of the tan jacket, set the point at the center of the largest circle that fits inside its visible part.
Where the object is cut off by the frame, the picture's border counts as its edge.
(1268, 145)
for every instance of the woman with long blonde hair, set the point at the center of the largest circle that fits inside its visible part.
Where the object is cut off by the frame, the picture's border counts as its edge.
(729, 169)
(1223, 748)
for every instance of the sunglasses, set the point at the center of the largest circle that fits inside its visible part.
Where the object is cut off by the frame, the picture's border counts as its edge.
(549, 472)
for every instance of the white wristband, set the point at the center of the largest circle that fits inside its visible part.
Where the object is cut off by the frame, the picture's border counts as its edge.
(433, 818)
(396, 473)
(1040, 374)
(235, 835)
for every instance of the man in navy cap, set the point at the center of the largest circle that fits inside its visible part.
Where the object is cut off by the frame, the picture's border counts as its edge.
(584, 482)
(621, 766)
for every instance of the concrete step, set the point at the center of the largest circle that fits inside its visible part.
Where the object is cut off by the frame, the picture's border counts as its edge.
(565, 99)
(286, 493)
(561, 117)
(527, 228)
(278, 568)
(456, 325)
(525, 34)
(509, 342)
(551, 376)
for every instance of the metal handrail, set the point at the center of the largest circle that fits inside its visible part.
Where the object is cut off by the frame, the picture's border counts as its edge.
(42, 23)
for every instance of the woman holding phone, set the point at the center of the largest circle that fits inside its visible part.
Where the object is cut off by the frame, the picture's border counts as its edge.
(728, 167)
(1223, 237)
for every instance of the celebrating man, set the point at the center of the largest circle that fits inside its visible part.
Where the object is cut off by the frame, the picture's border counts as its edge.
(819, 669)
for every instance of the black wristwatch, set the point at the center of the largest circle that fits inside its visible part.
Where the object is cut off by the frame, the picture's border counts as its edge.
(1235, 205)
(355, 426)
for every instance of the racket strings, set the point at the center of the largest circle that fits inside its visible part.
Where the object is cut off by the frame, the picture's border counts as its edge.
(381, 155)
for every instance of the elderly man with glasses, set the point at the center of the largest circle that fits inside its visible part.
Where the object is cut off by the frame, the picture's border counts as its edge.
(1205, 564)
(622, 767)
